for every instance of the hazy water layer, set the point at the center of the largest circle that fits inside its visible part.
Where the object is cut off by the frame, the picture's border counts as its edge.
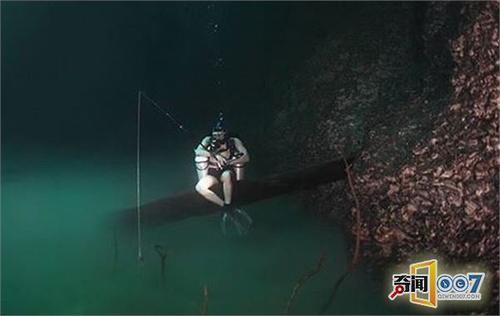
(59, 256)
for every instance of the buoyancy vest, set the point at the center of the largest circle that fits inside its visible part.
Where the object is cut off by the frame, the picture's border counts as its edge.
(214, 146)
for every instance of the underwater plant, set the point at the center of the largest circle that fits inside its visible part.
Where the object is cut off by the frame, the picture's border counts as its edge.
(162, 253)
(302, 280)
(204, 307)
(115, 251)
(355, 256)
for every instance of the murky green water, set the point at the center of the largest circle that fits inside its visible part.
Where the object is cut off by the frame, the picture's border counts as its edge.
(59, 255)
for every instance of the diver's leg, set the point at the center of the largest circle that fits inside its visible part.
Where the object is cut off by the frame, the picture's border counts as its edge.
(203, 187)
(227, 185)
(238, 218)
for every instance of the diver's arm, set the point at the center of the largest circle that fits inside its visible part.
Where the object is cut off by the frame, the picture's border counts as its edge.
(245, 157)
(201, 149)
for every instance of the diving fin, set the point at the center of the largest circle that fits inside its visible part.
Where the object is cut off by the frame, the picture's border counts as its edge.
(236, 221)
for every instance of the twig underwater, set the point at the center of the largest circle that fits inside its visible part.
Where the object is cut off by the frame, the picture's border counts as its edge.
(115, 251)
(204, 307)
(355, 257)
(162, 253)
(302, 280)
(357, 246)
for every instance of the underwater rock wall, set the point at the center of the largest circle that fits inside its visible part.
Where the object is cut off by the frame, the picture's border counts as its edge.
(420, 105)
(445, 199)
(372, 87)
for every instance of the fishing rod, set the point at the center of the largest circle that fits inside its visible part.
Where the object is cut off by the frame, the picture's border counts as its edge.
(173, 120)
(179, 125)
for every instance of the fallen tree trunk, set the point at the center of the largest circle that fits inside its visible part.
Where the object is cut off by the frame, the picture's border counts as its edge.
(189, 204)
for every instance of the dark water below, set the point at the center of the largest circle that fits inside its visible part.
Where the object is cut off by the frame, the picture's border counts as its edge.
(58, 255)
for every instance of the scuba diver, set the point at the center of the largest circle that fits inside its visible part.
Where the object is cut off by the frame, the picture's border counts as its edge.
(221, 158)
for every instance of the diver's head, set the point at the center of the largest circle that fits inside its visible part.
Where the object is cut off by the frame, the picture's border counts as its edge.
(219, 132)
(219, 135)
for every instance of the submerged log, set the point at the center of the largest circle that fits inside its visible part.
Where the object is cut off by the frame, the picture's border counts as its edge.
(190, 203)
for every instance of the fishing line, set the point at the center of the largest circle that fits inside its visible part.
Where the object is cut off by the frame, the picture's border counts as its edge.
(177, 123)
(138, 179)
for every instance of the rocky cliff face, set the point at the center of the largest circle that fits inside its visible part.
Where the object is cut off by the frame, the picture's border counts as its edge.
(363, 81)
(417, 97)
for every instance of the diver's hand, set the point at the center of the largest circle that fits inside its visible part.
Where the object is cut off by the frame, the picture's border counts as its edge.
(221, 161)
(235, 160)
(214, 161)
